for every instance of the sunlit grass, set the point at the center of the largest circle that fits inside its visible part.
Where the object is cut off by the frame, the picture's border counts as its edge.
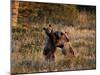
(27, 48)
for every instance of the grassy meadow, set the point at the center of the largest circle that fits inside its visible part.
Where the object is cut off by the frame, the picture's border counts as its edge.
(28, 40)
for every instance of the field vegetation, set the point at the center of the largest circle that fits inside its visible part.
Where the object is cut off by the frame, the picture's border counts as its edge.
(28, 38)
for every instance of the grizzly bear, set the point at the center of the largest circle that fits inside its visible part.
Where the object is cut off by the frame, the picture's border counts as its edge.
(56, 39)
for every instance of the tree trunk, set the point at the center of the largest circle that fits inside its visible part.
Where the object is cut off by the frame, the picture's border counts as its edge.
(14, 8)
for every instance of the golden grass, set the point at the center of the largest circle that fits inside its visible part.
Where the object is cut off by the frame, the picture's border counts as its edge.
(27, 48)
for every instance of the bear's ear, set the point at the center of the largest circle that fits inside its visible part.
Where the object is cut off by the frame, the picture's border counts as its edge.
(44, 28)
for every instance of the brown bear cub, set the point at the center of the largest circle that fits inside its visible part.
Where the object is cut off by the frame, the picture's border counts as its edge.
(55, 39)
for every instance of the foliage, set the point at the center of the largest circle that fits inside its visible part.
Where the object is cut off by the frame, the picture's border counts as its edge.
(28, 38)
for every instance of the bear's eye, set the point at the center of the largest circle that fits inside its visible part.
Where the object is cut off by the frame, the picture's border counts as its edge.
(44, 28)
(61, 33)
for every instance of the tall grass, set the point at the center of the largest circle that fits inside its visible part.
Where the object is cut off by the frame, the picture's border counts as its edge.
(28, 43)
(27, 48)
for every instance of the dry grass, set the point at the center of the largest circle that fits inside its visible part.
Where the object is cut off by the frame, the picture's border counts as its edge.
(28, 43)
(27, 48)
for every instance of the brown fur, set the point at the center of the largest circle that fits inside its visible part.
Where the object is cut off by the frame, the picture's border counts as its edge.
(56, 39)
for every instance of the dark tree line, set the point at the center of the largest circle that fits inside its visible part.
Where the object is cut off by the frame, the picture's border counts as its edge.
(51, 13)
